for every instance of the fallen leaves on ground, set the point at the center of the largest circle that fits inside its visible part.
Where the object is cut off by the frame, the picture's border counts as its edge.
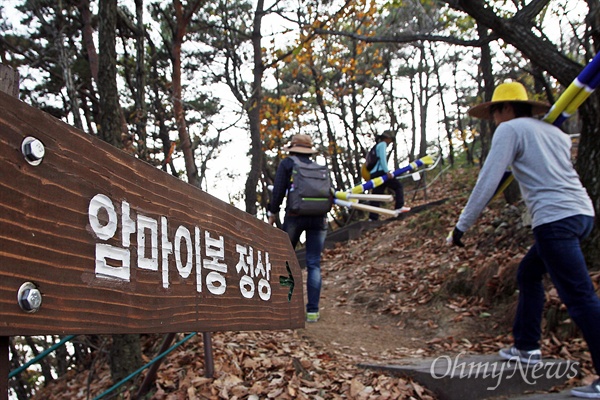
(452, 300)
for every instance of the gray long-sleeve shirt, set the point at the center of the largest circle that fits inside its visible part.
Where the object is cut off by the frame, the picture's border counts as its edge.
(539, 155)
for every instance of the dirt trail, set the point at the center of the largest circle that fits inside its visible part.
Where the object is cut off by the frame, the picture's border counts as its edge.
(358, 331)
(355, 317)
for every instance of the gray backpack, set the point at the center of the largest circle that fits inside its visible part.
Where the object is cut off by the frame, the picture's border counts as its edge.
(310, 191)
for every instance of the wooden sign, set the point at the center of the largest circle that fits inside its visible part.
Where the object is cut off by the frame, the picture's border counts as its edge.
(94, 241)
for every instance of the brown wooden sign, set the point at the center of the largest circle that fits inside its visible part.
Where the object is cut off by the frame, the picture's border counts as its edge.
(93, 240)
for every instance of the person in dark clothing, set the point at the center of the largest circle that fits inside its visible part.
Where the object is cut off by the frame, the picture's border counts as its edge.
(381, 168)
(315, 226)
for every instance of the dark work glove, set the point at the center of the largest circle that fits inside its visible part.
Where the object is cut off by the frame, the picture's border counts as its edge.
(454, 238)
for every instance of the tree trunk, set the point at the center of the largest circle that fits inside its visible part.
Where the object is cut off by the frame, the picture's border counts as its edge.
(183, 19)
(333, 147)
(588, 167)
(518, 32)
(125, 347)
(446, 118)
(19, 383)
(424, 94)
(110, 109)
(485, 65)
(125, 356)
(413, 120)
(87, 37)
(141, 118)
(253, 110)
(9, 80)
(64, 51)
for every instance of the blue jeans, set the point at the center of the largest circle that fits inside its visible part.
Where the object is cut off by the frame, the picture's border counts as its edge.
(557, 251)
(316, 231)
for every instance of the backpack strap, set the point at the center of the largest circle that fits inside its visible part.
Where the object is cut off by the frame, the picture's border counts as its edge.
(296, 160)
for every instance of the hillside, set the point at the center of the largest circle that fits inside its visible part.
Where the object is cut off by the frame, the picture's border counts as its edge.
(396, 292)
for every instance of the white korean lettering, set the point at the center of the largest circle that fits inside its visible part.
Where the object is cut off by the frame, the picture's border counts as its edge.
(260, 269)
(106, 231)
(101, 202)
(245, 263)
(183, 234)
(154, 246)
(144, 225)
(247, 287)
(215, 261)
(264, 289)
(268, 266)
(166, 249)
(198, 259)
(106, 251)
(127, 224)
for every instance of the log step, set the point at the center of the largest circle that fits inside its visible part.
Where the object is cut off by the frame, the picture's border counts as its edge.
(462, 376)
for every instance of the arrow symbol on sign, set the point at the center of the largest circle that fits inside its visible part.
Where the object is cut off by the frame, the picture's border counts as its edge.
(287, 281)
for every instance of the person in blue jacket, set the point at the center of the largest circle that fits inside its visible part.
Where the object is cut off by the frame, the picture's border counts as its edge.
(381, 168)
(562, 213)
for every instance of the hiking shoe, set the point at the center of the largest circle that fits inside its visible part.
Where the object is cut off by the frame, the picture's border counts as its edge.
(312, 316)
(524, 356)
(402, 210)
(588, 392)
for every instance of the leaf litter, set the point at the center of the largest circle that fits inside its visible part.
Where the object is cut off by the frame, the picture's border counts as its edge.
(396, 292)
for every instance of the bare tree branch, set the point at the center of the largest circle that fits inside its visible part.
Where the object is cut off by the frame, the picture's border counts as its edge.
(408, 38)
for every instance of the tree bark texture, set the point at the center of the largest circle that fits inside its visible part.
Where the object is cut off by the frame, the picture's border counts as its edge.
(253, 109)
(518, 32)
(110, 109)
(9, 80)
(125, 356)
(141, 112)
(183, 19)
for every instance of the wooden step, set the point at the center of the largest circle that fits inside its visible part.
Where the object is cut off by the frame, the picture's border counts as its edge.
(459, 377)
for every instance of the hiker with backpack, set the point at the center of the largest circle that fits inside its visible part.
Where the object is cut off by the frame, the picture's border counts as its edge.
(309, 199)
(381, 168)
(562, 214)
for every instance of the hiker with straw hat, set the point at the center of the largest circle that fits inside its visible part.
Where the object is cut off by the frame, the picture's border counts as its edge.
(539, 155)
(314, 226)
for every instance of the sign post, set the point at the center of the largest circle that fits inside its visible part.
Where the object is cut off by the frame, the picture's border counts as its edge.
(95, 241)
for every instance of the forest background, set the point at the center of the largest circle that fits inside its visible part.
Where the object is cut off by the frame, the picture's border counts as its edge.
(180, 85)
(211, 91)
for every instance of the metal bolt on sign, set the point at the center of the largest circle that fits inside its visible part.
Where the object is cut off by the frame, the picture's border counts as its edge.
(33, 150)
(29, 297)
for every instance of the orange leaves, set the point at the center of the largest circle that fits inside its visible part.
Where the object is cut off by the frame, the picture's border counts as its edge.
(279, 114)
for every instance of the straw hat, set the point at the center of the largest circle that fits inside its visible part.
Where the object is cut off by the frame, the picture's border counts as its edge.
(508, 92)
(301, 144)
